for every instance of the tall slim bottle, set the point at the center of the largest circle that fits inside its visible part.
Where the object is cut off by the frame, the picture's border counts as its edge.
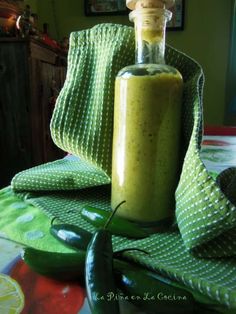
(147, 121)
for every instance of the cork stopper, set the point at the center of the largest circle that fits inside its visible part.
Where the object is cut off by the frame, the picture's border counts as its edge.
(138, 4)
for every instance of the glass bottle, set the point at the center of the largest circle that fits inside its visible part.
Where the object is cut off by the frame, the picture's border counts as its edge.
(147, 114)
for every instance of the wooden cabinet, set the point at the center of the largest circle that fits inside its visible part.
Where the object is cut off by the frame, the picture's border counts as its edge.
(31, 76)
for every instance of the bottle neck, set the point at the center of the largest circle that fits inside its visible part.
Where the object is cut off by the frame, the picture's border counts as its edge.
(150, 26)
(149, 52)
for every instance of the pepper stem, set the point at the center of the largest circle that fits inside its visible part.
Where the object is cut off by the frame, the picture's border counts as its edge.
(55, 218)
(118, 253)
(112, 214)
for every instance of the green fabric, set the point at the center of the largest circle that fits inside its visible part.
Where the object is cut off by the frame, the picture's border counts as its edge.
(82, 125)
(65, 174)
(215, 278)
(25, 223)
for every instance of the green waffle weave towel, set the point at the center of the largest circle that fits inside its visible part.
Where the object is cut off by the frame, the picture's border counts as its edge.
(19, 220)
(82, 124)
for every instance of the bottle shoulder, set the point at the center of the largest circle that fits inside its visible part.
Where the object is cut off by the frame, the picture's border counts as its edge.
(147, 70)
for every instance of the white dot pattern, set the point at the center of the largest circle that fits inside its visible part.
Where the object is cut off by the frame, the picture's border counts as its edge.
(82, 125)
(82, 121)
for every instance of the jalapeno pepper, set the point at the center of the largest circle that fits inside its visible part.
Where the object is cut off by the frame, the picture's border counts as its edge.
(56, 265)
(150, 291)
(118, 226)
(71, 235)
(99, 278)
(131, 279)
(78, 239)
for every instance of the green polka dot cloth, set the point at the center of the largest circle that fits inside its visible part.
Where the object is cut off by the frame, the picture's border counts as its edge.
(199, 251)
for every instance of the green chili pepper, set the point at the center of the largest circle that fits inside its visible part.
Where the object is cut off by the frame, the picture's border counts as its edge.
(56, 265)
(118, 226)
(71, 235)
(151, 292)
(77, 238)
(131, 279)
(155, 294)
(99, 278)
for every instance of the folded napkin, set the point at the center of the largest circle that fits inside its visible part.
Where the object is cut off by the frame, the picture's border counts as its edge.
(201, 253)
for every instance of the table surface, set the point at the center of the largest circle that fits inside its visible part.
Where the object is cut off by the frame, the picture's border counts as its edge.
(218, 153)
